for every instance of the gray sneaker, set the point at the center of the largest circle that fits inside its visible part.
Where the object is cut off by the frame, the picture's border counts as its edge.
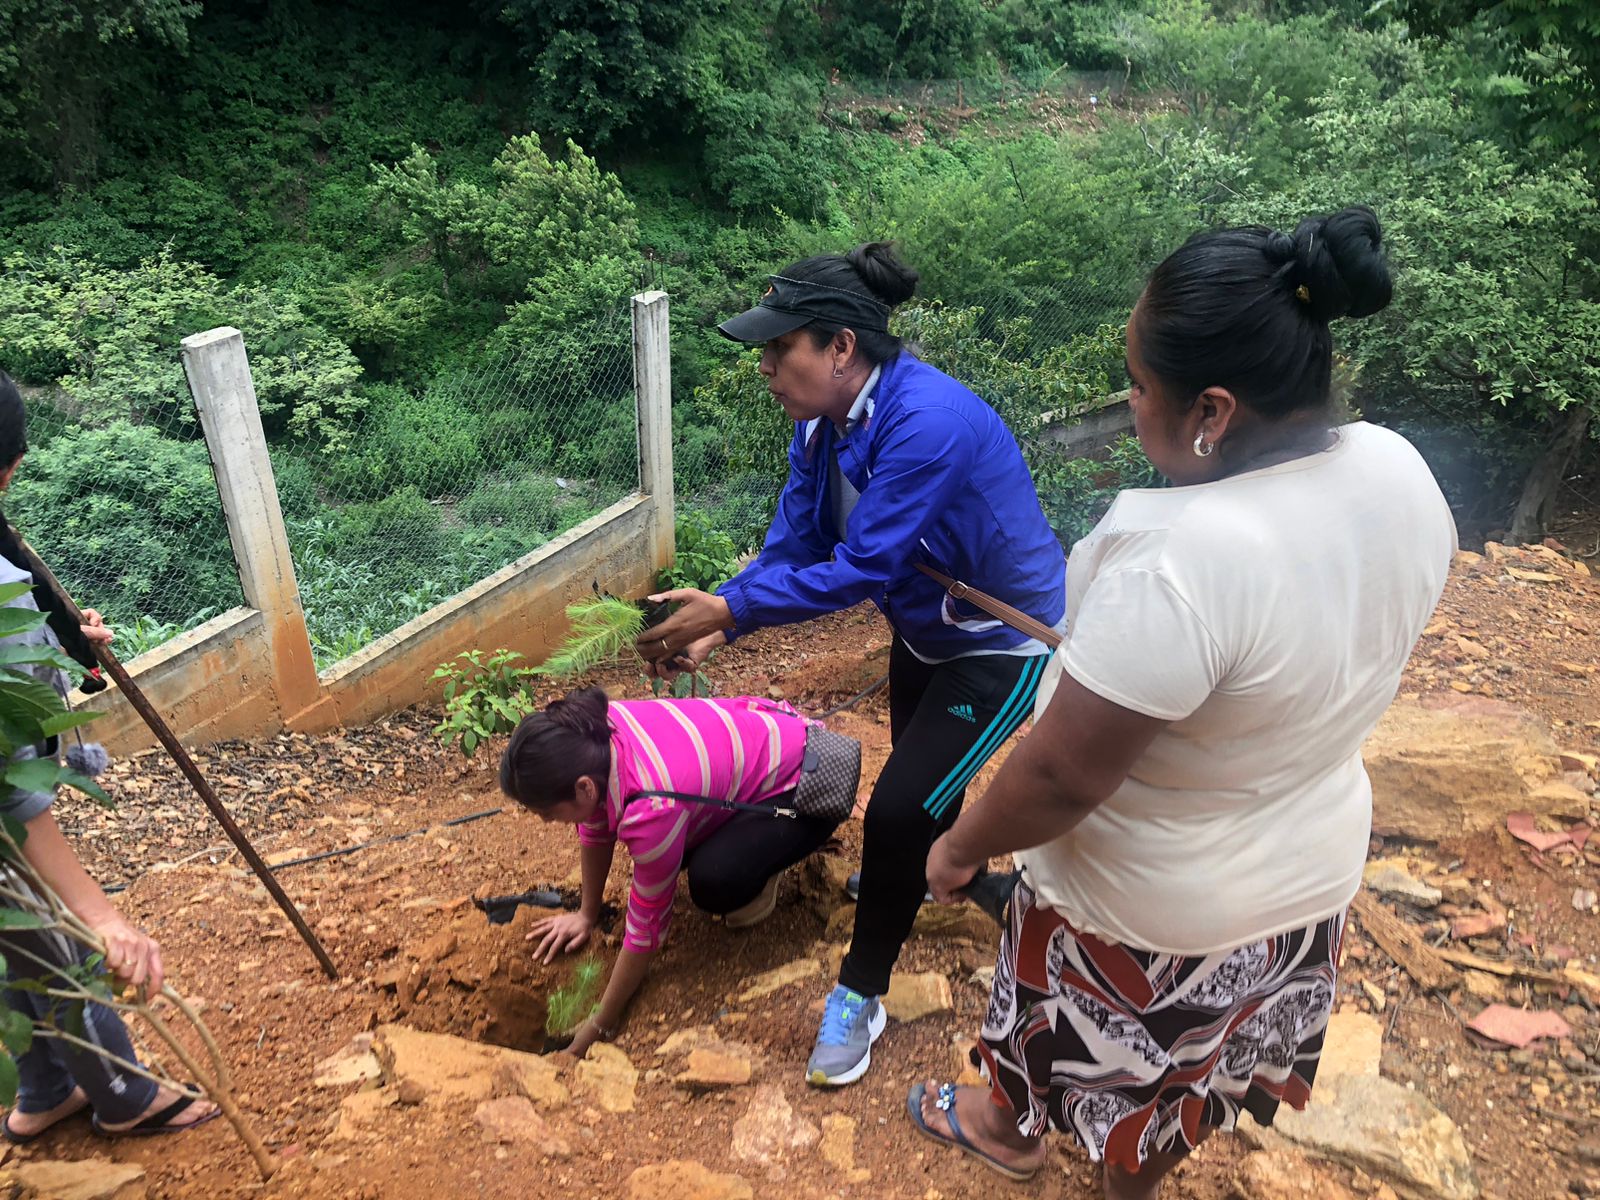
(850, 1024)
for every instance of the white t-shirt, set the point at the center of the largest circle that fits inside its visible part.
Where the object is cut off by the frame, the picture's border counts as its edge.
(1268, 617)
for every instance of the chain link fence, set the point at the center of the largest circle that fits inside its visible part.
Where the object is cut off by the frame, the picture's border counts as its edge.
(437, 490)
(119, 498)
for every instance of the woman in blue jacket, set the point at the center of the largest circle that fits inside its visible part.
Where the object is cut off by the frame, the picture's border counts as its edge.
(893, 464)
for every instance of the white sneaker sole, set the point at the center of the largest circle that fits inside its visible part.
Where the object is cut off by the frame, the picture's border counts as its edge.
(875, 1027)
(758, 910)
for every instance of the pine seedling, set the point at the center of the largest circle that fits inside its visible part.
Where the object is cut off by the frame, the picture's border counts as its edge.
(603, 630)
(570, 1006)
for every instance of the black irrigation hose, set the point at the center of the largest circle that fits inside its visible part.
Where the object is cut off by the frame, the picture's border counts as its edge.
(854, 700)
(470, 817)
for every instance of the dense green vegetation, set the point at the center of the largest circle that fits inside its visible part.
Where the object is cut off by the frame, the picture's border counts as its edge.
(427, 221)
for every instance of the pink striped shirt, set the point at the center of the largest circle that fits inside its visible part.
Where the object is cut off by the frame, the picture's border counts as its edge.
(738, 748)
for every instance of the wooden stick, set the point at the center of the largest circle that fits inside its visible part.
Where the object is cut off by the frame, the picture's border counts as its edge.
(186, 764)
(1585, 981)
(1403, 944)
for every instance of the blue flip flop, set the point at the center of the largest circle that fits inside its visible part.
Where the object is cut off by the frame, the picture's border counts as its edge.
(946, 1103)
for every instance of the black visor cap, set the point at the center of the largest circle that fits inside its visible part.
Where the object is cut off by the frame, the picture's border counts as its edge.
(791, 303)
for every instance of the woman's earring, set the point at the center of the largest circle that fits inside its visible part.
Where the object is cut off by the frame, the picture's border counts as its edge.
(838, 372)
(1203, 448)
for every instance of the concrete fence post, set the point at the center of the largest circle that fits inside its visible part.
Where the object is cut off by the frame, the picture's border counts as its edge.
(225, 396)
(652, 386)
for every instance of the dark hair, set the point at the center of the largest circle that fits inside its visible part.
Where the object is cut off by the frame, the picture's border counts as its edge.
(1248, 309)
(13, 423)
(551, 750)
(872, 269)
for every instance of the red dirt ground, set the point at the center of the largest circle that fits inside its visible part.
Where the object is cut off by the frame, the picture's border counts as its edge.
(398, 919)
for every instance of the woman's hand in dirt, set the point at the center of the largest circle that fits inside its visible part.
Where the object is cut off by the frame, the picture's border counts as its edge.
(560, 935)
(699, 615)
(947, 873)
(132, 955)
(95, 628)
(588, 1034)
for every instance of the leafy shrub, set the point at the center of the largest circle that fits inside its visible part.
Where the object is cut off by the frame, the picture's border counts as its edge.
(400, 528)
(131, 518)
(1076, 492)
(522, 506)
(110, 337)
(705, 554)
(424, 442)
(482, 698)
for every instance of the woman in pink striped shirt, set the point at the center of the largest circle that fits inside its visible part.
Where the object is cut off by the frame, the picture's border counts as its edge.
(603, 765)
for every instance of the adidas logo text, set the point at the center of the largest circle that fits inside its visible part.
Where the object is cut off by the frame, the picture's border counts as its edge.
(964, 711)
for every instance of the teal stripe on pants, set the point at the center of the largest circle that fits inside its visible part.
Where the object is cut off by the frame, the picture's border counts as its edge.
(1012, 713)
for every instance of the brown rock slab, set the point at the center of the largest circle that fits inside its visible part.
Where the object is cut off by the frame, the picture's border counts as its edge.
(680, 1180)
(771, 981)
(356, 1063)
(1286, 1175)
(1376, 1125)
(538, 1080)
(713, 1070)
(361, 1113)
(609, 1078)
(86, 1179)
(1444, 766)
(513, 1119)
(452, 1070)
(770, 1128)
(912, 997)
(839, 1147)
(1352, 1045)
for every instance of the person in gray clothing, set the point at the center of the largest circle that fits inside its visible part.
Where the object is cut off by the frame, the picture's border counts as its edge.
(58, 1079)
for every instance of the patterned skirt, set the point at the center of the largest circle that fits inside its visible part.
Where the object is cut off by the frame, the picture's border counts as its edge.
(1132, 1051)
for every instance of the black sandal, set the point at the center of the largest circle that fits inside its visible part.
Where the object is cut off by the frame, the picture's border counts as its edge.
(158, 1123)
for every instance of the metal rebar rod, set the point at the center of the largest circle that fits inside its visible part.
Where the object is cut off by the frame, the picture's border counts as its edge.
(164, 734)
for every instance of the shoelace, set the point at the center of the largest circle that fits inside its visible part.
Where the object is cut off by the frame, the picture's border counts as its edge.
(839, 1018)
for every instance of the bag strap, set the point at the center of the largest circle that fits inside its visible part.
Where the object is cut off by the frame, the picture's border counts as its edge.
(999, 609)
(770, 810)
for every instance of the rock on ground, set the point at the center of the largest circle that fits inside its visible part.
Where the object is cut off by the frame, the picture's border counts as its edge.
(452, 1070)
(839, 1147)
(1352, 1045)
(356, 1063)
(768, 982)
(1445, 766)
(911, 997)
(685, 1181)
(1285, 1175)
(87, 1179)
(514, 1119)
(712, 1070)
(1389, 880)
(1377, 1126)
(770, 1128)
(609, 1076)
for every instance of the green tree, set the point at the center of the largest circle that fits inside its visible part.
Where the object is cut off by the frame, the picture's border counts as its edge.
(1495, 321)
(110, 338)
(58, 63)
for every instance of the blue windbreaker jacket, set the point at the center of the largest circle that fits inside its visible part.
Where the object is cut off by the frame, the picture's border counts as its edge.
(942, 481)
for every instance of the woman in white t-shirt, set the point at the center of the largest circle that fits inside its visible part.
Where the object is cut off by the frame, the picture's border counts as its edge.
(1191, 812)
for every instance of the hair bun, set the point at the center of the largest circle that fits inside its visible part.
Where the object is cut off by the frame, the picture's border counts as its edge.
(582, 712)
(1343, 270)
(880, 268)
